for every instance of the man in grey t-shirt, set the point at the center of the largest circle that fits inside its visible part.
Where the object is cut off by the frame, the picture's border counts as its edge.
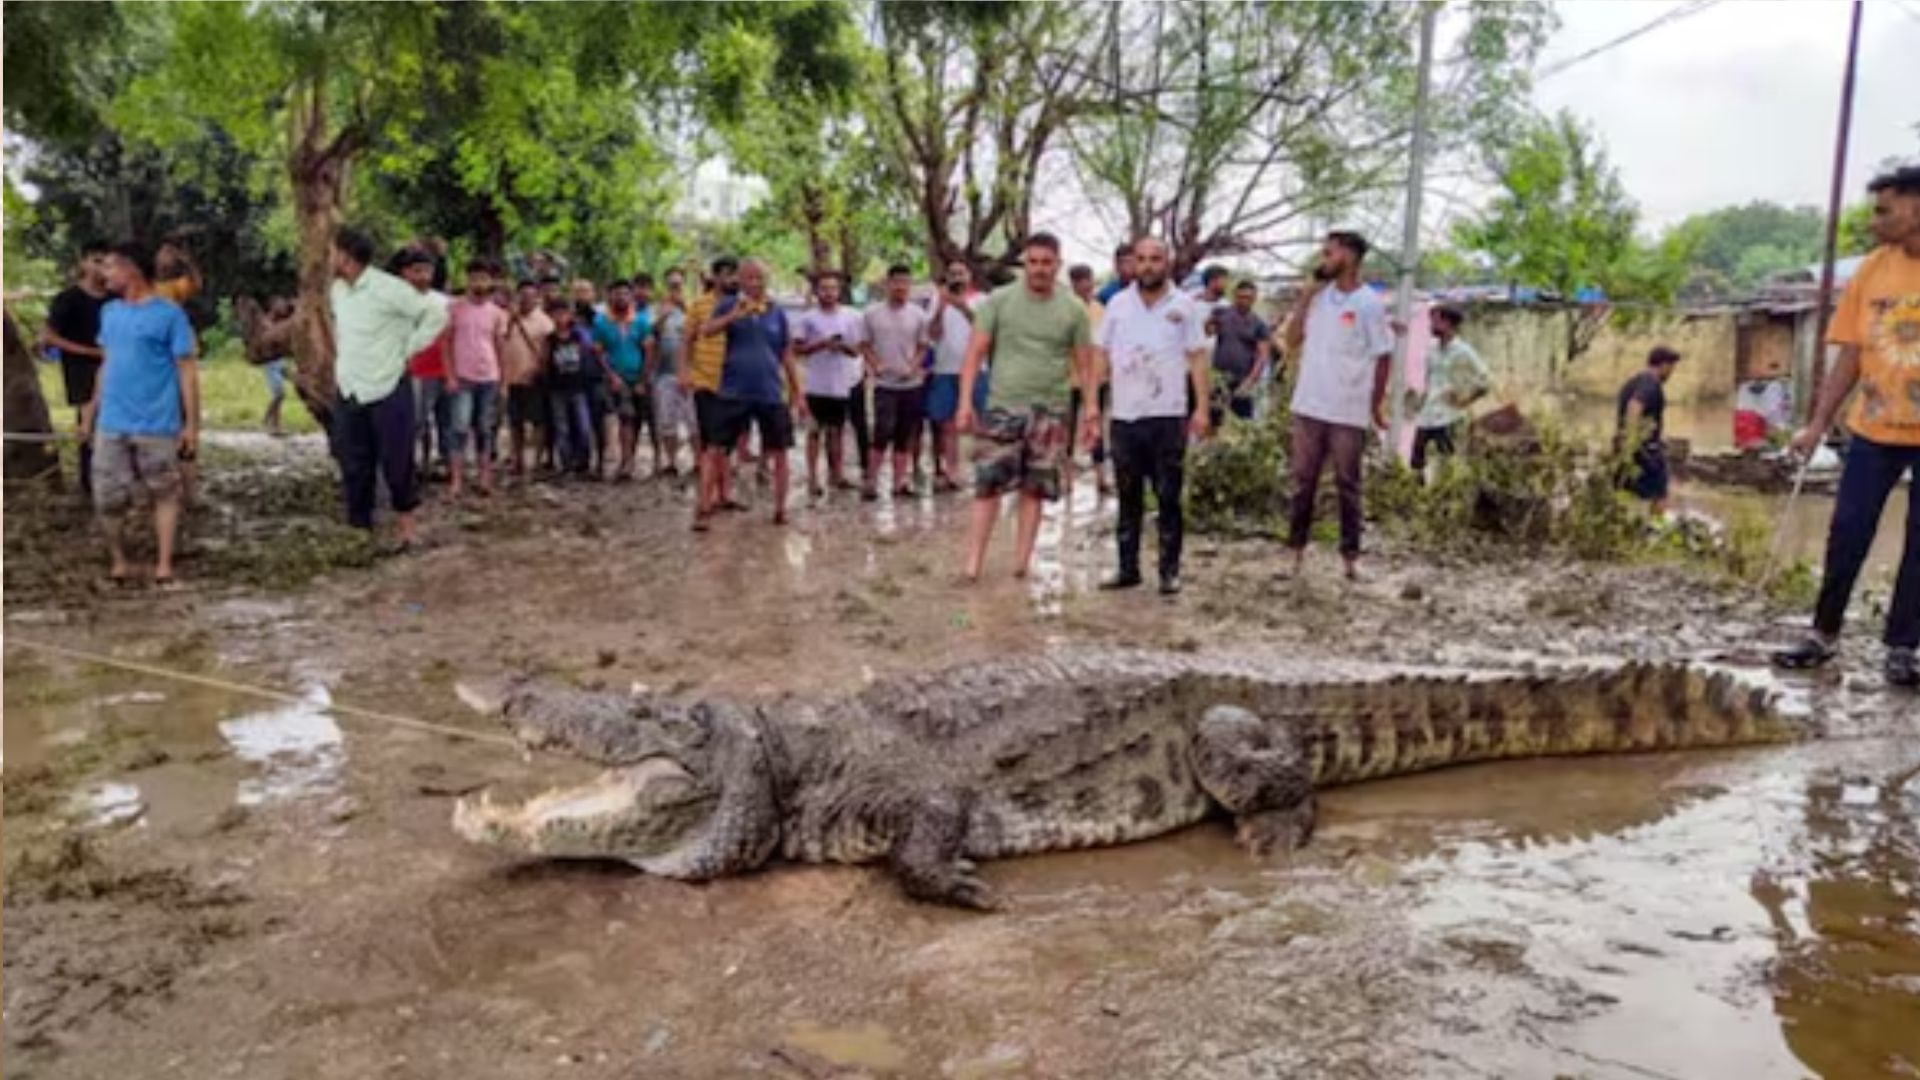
(1242, 345)
(896, 339)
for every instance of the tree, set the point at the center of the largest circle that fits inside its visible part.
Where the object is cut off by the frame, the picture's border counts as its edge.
(966, 102)
(1738, 247)
(66, 63)
(826, 180)
(1233, 127)
(1562, 222)
(530, 121)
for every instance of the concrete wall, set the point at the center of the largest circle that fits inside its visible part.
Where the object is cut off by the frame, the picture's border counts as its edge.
(1527, 350)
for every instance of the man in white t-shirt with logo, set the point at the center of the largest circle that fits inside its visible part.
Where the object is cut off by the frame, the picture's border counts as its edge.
(828, 340)
(1152, 345)
(1340, 332)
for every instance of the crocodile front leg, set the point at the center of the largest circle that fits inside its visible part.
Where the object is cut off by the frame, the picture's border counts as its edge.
(926, 855)
(1259, 774)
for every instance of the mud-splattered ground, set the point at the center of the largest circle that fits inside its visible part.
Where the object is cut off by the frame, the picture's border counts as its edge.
(202, 883)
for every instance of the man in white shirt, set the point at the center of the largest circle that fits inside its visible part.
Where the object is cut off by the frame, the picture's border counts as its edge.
(1152, 344)
(828, 342)
(1339, 330)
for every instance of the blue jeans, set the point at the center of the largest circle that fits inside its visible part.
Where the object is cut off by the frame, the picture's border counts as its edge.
(476, 412)
(1871, 472)
(572, 430)
(433, 408)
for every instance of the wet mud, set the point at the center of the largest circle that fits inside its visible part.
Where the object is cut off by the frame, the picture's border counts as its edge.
(266, 889)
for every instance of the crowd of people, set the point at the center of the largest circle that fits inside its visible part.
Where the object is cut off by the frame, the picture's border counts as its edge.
(539, 376)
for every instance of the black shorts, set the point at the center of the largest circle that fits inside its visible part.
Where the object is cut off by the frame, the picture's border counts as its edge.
(828, 412)
(769, 418)
(527, 405)
(1650, 480)
(896, 416)
(709, 415)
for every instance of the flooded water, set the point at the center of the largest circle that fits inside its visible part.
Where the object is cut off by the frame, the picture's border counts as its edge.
(1747, 913)
(1800, 524)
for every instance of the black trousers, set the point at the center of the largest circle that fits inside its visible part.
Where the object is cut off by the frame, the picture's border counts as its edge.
(857, 419)
(1867, 478)
(1154, 451)
(1438, 440)
(374, 440)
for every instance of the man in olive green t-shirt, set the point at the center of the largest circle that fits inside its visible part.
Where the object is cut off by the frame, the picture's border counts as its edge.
(1038, 338)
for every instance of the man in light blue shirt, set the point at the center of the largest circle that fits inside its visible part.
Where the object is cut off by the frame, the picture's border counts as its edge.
(378, 322)
(145, 414)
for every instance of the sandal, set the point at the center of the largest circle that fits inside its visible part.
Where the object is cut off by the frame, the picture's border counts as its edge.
(1810, 652)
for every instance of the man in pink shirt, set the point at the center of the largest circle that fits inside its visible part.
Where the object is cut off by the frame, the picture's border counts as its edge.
(479, 326)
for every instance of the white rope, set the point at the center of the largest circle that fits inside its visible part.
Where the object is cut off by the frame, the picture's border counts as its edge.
(335, 707)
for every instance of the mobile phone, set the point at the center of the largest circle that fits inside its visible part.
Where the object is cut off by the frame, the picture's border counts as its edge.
(1322, 273)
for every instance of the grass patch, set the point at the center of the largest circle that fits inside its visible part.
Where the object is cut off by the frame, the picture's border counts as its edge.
(233, 396)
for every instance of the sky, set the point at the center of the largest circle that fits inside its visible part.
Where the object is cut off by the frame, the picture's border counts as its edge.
(1739, 101)
(1736, 102)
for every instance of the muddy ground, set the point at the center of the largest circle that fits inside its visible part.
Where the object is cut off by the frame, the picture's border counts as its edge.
(202, 883)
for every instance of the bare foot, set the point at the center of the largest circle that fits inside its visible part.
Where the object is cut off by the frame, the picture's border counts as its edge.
(1353, 569)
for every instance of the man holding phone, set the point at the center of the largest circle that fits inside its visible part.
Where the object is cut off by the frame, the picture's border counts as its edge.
(951, 327)
(1339, 330)
(827, 340)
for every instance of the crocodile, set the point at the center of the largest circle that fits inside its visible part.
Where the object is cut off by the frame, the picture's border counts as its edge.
(933, 773)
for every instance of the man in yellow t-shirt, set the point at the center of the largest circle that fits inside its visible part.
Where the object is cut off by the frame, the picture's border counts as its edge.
(702, 359)
(1877, 326)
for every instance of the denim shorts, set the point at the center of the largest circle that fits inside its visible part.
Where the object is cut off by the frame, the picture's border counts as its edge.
(476, 411)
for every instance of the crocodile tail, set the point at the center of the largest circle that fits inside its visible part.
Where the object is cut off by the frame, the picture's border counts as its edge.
(1366, 730)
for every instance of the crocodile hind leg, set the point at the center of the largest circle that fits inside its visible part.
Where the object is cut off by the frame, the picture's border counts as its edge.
(1259, 774)
(926, 856)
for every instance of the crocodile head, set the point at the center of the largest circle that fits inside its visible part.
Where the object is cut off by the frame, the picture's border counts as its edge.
(689, 793)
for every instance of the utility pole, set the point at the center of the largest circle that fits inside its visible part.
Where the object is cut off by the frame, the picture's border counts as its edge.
(1410, 235)
(1834, 195)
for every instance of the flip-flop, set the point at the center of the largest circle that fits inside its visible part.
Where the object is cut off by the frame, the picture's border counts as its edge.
(167, 584)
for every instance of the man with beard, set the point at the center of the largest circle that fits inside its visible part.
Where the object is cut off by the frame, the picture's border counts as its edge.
(759, 376)
(1152, 346)
(1339, 330)
(1036, 334)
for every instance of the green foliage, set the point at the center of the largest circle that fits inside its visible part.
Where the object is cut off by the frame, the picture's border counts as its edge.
(1562, 219)
(1554, 496)
(1237, 481)
(1736, 248)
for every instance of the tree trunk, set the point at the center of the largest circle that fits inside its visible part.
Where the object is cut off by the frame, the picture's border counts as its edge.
(813, 207)
(319, 187)
(26, 414)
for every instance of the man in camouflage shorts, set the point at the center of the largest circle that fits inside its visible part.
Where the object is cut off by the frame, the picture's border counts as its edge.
(1019, 452)
(1038, 338)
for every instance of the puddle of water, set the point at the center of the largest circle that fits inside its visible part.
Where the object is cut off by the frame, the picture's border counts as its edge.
(297, 749)
(109, 803)
(200, 735)
(868, 1046)
(1800, 525)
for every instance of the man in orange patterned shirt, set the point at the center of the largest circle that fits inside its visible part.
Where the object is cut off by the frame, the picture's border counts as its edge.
(1877, 326)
